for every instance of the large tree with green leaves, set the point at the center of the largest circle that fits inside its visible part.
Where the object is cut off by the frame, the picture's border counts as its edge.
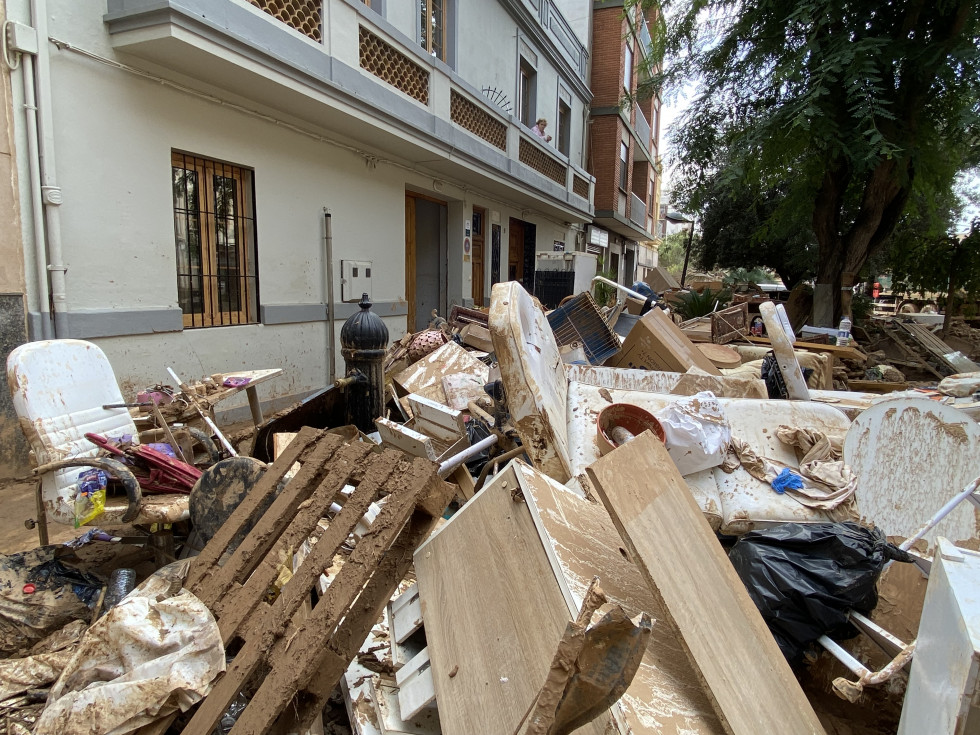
(846, 106)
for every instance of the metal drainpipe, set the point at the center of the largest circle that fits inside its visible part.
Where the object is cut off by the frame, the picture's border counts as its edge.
(50, 192)
(37, 208)
(331, 335)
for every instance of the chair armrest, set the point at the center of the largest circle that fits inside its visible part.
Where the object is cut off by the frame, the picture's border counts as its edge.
(112, 467)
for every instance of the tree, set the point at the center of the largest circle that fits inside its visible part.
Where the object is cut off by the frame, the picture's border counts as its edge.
(738, 230)
(845, 104)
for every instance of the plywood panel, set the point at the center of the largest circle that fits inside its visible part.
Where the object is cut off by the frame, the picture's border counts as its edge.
(746, 677)
(493, 613)
(666, 697)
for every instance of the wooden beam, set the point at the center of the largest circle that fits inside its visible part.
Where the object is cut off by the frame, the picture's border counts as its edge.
(749, 683)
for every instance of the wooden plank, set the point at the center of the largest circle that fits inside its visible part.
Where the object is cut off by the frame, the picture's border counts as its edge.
(437, 420)
(665, 697)
(493, 614)
(847, 353)
(748, 681)
(406, 439)
(655, 343)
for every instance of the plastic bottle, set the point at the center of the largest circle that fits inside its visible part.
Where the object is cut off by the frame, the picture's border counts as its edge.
(844, 332)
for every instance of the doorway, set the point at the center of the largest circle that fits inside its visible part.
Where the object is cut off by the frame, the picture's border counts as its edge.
(520, 253)
(479, 224)
(426, 254)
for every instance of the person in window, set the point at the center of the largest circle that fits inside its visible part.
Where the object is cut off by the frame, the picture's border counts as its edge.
(538, 130)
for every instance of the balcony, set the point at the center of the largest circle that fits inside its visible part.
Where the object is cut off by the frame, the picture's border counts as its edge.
(638, 211)
(357, 79)
(642, 128)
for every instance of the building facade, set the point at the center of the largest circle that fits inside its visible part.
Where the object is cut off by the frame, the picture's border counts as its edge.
(214, 183)
(624, 150)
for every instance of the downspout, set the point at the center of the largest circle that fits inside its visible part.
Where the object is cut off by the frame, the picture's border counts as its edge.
(50, 192)
(37, 209)
(328, 254)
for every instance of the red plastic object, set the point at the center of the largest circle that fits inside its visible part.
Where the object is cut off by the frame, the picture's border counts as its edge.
(29, 589)
(632, 418)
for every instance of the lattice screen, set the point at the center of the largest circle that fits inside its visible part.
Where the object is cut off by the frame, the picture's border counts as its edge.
(303, 15)
(541, 162)
(580, 186)
(391, 66)
(478, 121)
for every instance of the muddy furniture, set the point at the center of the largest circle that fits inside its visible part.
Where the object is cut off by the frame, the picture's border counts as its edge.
(556, 416)
(59, 388)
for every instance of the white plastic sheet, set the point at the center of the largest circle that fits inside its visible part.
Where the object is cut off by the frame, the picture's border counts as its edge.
(697, 432)
(153, 653)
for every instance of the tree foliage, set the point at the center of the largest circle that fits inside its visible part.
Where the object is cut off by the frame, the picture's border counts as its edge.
(844, 107)
(738, 230)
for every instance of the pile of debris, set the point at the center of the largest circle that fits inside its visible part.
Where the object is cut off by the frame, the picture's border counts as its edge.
(520, 521)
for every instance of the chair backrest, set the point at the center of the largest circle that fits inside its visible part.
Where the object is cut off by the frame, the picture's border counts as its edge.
(58, 388)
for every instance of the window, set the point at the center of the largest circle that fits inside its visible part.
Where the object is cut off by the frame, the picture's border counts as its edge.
(624, 155)
(628, 66)
(432, 27)
(564, 127)
(214, 226)
(526, 94)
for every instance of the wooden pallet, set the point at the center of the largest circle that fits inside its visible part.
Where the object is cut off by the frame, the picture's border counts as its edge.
(296, 654)
(948, 360)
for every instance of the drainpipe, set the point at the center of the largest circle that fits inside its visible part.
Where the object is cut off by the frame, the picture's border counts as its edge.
(328, 254)
(37, 209)
(50, 191)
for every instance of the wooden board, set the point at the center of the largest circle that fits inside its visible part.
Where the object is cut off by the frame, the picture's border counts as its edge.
(729, 324)
(846, 353)
(744, 674)
(720, 356)
(789, 367)
(493, 614)
(304, 652)
(656, 343)
(424, 377)
(665, 697)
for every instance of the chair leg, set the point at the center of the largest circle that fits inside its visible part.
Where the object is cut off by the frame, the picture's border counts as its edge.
(162, 544)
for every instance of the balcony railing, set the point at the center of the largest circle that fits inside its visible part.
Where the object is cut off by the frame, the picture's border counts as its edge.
(642, 128)
(638, 211)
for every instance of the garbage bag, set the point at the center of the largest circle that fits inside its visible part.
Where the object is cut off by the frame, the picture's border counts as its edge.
(157, 651)
(39, 594)
(805, 577)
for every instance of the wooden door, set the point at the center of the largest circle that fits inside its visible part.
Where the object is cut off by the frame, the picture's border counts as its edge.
(515, 251)
(479, 225)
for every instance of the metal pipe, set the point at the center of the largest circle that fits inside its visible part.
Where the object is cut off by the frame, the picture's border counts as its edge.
(37, 207)
(621, 287)
(331, 336)
(457, 459)
(940, 514)
(494, 461)
(50, 191)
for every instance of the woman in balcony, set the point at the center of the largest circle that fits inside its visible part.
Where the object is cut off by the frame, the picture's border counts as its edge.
(538, 130)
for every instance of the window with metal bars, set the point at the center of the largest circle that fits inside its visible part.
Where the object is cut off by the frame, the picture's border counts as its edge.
(214, 228)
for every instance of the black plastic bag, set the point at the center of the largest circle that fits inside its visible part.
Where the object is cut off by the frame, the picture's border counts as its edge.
(805, 577)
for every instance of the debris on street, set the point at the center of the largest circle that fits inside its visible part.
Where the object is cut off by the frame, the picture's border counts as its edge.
(596, 518)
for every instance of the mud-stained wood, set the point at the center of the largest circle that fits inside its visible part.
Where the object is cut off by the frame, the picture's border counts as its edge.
(749, 683)
(493, 613)
(302, 652)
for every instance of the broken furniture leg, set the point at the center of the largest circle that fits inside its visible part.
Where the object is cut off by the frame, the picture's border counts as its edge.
(593, 666)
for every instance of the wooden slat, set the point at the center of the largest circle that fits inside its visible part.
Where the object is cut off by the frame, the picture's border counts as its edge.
(260, 539)
(295, 663)
(205, 563)
(749, 683)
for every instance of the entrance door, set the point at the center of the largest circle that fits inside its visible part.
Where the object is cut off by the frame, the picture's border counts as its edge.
(515, 251)
(479, 224)
(426, 248)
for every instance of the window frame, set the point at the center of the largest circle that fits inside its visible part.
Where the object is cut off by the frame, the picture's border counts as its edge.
(203, 213)
(526, 92)
(426, 40)
(628, 65)
(624, 157)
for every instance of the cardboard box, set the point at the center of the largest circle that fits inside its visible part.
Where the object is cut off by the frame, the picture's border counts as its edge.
(656, 343)
(660, 280)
